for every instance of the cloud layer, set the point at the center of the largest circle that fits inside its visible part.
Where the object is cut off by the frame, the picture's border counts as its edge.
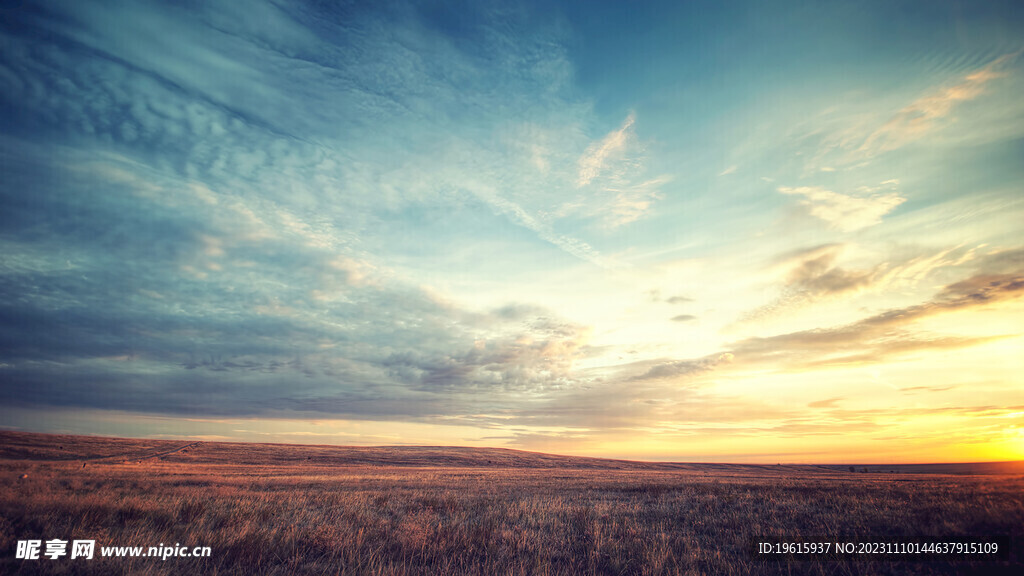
(569, 227)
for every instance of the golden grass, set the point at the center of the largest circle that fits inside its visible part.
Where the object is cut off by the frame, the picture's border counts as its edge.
(307, 510)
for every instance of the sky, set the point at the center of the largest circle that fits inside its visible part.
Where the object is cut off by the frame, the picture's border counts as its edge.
(700, 231)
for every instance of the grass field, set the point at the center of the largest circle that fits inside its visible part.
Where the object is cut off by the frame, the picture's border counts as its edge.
(283, 509)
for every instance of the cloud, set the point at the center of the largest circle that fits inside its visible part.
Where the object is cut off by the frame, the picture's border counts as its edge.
(598, 155)
(611, 170)
(215, 196)
(845, 212)
(680, 368)
(282, 323)
(1003, 261)
(237, 211)
(864, 125)
(632, 201)
(539, 358)
(409, 357)
(352, 112)
(570, 245)
(918, 389)
(871, 340)
(815, 273)
(883, 335)
(924, 114)
(829, 403)
(981, 289)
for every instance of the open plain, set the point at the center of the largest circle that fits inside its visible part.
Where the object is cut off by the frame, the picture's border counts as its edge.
(295, 509)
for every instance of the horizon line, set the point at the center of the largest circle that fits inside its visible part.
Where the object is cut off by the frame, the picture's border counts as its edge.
(450, 446)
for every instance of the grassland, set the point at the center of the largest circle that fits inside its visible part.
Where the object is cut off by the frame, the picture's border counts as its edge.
(278, 509)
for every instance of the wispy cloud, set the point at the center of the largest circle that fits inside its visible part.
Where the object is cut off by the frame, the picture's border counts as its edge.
(569, 244)
(884, 335)
(684, 368)
(863, 127)
(871, 340)
(924, 114)
(819, 273)
(632, 201)
(828, 403)
(847, 213)
(613, 167)
(812, 274)
(599, 154)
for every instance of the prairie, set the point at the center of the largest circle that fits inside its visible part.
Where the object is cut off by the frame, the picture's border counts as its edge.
(293, 509)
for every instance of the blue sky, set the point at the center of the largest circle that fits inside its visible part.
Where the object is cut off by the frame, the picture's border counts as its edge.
(708, 231)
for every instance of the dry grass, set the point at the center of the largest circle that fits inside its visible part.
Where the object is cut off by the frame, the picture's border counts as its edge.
(324, 510)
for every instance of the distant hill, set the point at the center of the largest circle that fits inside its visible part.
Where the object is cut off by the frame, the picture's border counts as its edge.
(25, 446)
(1013, 467)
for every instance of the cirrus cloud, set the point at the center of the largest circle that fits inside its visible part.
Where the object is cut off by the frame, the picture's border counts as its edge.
(845, 212)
